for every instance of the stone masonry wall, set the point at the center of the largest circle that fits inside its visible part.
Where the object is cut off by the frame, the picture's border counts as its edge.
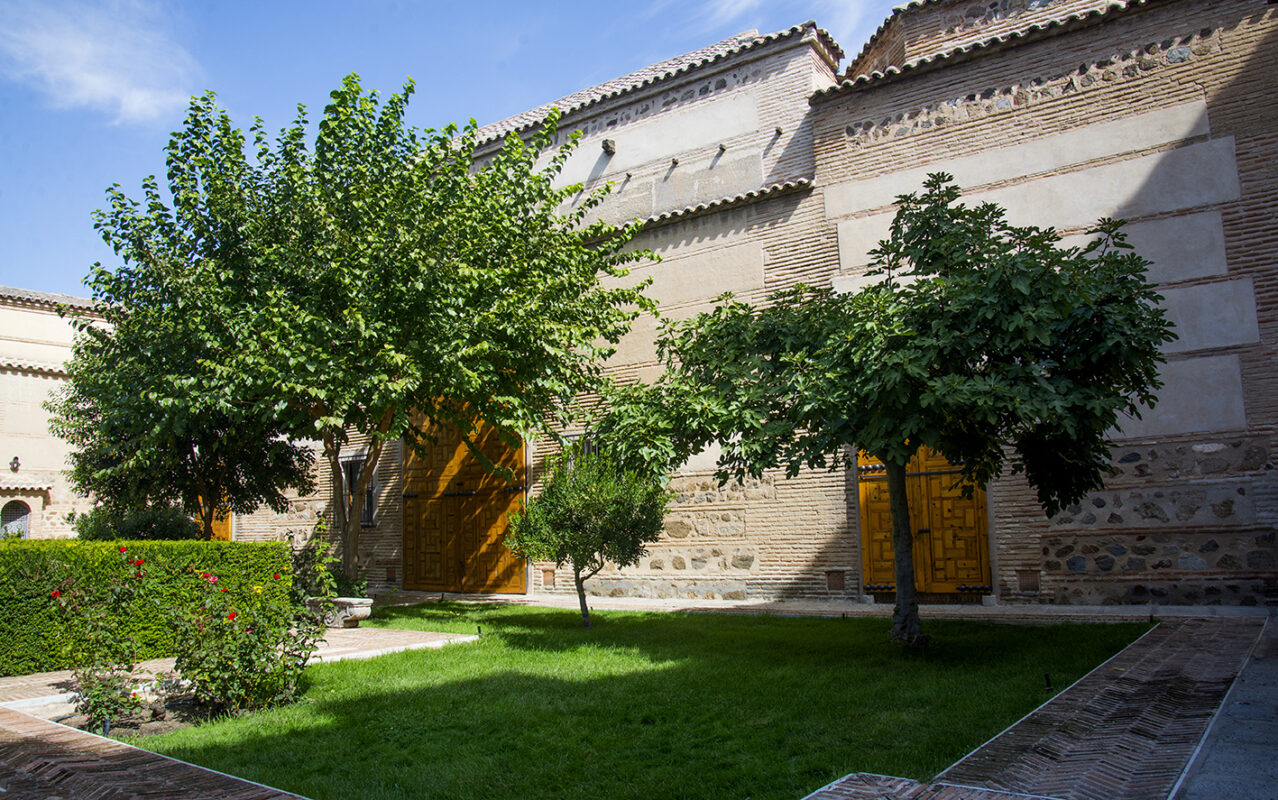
(1162, 115)
(772, 537)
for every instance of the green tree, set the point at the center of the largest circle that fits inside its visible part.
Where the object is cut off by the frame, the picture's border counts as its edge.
(590, 513)
(382, 284)
(146, 427)
(984, 341)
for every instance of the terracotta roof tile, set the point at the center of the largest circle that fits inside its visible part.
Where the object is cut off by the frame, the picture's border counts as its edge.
(1029, 33)
(36, 367)
(655, 73)
(772, 190)
(14, 484)
(50, 299)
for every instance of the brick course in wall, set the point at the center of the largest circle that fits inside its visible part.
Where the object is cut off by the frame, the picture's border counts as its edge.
(1163, 110)
(1189, 516)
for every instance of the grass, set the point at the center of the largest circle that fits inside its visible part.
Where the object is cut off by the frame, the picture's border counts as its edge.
(644, 706)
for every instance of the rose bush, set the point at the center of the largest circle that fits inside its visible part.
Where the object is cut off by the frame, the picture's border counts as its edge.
(244, 648)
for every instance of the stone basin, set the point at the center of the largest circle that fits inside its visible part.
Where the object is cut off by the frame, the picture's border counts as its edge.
(346, 612)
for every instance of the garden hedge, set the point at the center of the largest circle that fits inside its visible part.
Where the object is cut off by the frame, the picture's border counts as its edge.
(35, 635)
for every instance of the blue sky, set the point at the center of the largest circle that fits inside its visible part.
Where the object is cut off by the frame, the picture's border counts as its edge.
(89, 91)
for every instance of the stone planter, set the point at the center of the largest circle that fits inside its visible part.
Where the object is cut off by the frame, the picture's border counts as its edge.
(346, 612)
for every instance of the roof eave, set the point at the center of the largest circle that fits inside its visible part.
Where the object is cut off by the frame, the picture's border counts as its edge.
(980, 48)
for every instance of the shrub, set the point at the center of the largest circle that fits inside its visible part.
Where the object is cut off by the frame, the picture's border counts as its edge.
(103, 657)
(36, 637)
(589, 513)
(153, 523)
(244, 649)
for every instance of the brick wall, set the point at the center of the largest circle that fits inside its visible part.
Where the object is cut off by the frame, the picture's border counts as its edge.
(1190, 514)
(380, 544)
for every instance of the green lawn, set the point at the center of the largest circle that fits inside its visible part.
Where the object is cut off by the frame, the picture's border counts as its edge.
(644, 706)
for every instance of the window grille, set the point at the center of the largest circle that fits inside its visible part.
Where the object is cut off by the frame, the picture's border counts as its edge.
(350, 477)
(15, 519)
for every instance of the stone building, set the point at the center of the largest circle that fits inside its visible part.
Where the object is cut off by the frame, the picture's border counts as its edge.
(35, 343)
(759, 162)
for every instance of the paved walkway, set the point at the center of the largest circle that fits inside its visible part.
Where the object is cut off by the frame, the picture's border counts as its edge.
(41, 760)
(1125, 731)
(1238, 759)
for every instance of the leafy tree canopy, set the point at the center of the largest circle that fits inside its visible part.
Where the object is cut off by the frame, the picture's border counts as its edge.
(984, 341)
(590, 513)
(381, 282)
(146, 430)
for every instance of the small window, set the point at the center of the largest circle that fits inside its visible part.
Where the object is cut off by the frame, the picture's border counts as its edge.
(583, 444)
(350, 477)
(15, 520)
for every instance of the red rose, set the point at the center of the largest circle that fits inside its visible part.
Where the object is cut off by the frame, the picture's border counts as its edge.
(139, 574)
(232, 615)
(224, 589)
(277, 576)
(55, 593)
(123, 548)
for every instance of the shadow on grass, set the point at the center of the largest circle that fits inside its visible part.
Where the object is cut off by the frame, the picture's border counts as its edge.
(643, 705)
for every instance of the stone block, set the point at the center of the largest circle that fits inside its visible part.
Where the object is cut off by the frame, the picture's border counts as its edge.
(1211, 315)
(1077, 145)
(1199, 394)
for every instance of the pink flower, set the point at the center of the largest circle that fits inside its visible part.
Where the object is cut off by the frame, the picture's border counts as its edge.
(212, 579)
(231, 616)
(55, 593)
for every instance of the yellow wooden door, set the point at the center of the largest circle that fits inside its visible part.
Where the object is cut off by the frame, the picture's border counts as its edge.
(455, 516)
(951, 547)
(222, 528)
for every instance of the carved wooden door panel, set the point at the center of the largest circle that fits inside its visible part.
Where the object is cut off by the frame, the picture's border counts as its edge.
(951, 548)
(455, 516)
(876, 524)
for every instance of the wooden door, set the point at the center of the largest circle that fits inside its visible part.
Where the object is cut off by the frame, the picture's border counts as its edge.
(455, 517)
(222, 527)
(951, 547)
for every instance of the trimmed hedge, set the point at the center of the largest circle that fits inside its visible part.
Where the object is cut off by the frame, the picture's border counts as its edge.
(34, 635)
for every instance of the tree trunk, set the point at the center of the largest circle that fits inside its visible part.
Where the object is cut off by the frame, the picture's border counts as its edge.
(905, 618)
(581, 595)
(333, 452)
(347, 516)
(207, 511)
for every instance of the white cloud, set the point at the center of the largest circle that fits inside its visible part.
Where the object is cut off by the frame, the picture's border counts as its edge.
(846, 21)
(850, 21)
(116, 57)
(721, 12)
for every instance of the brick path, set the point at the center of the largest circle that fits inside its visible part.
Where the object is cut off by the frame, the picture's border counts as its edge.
(41, 760)
(1123, 732)
(46, 761)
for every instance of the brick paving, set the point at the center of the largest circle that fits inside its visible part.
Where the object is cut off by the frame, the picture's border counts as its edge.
(1123, 732)
(42, 760)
